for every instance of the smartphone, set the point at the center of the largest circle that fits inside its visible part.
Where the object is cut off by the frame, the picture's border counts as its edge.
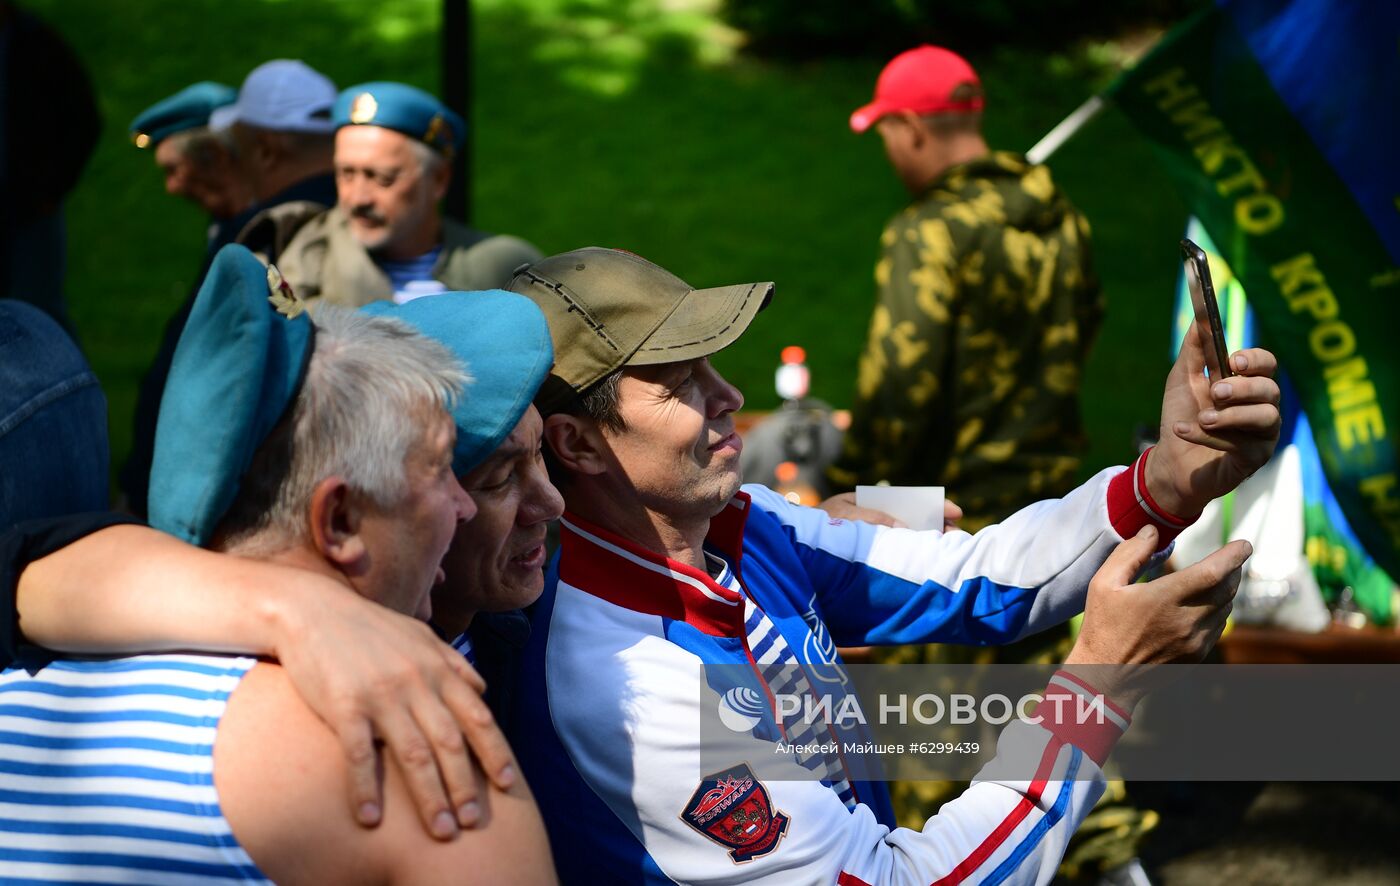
(1207, 311)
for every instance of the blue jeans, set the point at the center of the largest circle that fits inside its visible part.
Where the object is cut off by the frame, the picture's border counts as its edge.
(53, 421)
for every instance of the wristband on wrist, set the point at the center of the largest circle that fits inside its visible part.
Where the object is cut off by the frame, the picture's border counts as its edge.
(1131, 506)
(1079, 714)
(1144, 496)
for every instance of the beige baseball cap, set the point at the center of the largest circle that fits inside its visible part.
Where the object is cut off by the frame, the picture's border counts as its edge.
(608, 308)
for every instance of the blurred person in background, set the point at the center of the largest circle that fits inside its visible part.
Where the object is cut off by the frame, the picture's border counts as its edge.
(49, 123)
(197, 164)
(987, 304)
(387, 237)
(281, 126)
(280, 130)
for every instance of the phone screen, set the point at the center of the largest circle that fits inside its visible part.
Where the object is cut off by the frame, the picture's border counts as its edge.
(1207, 311)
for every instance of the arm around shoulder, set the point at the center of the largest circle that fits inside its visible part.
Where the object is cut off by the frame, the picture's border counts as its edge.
(31, 542)
(129, 588)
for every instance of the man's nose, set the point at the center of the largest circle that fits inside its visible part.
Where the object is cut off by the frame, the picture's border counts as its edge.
(352, 192)
(723, 397)
(466, 505)
(543, 502)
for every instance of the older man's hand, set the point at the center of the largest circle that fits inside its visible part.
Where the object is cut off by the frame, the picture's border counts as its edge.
(372, 673)
(1214, 432)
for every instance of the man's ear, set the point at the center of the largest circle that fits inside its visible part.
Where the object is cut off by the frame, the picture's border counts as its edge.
(916, 130)
(261, 148)
(442, 179)
(336, 518)
(577, 444)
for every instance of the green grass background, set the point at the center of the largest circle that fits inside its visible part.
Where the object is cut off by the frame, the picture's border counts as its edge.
(627, 123)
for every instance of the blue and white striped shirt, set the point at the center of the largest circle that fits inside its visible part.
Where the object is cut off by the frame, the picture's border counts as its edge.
(107, 772)
(413, 278)
(463, 644)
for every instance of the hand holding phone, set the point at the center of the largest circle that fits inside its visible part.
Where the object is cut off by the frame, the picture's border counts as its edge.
(1207, 311)
(1214, 435)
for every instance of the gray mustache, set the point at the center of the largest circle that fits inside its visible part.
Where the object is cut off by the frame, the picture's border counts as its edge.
(368, 215)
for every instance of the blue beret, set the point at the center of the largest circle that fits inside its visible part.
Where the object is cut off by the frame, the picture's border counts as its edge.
(236, 370)
(187, 109)
(402, 108)
(504, 340)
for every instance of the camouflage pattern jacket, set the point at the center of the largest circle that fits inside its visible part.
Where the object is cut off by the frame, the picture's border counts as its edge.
(988, 304)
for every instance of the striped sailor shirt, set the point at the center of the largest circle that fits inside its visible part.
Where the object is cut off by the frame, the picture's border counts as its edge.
(107, 773)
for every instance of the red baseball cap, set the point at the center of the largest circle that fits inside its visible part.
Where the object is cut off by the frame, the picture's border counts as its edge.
(921, 80)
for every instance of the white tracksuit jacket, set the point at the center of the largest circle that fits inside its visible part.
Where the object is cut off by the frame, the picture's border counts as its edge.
(607, 718)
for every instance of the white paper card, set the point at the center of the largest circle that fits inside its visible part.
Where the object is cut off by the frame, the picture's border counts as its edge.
(918, 507)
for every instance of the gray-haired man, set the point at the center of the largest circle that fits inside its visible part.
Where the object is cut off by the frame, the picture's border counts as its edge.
(387, 238)
(325, 448)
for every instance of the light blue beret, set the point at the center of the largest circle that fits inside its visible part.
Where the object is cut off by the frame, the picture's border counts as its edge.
(187, 109)
(504, 340)
(236, 371)
(402, 108)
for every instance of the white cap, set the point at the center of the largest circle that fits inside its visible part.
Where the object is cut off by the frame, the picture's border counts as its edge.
(284, 95)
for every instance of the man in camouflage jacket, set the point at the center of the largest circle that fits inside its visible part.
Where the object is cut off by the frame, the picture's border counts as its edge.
(987, 306)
